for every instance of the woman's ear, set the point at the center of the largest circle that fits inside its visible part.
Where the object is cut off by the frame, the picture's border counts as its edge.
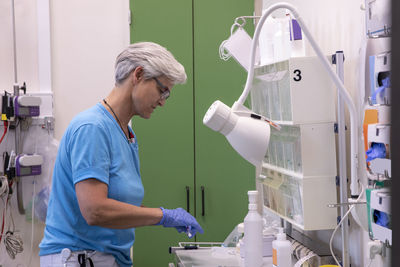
(138, 73)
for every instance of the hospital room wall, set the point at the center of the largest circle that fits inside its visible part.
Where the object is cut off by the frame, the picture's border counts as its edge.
(339, 25)
(86, 36)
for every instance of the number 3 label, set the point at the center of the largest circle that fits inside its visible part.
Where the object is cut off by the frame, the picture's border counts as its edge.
(297, 78)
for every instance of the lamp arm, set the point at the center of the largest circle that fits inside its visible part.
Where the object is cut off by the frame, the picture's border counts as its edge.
(354, 185)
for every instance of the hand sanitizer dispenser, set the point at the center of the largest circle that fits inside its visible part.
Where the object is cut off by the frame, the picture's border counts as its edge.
(253, 235)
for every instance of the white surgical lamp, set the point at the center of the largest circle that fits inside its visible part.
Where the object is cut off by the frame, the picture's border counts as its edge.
(248, 133)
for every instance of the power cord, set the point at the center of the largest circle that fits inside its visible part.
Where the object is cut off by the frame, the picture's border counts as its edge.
(5, 189)
(5, 131)
(340, 223)
(223, 53)
(12, 241)
(3, 186)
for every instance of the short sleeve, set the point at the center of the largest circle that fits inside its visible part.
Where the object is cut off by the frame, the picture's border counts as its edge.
(89, 150)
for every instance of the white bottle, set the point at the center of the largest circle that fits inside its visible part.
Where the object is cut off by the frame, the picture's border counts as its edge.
(253, 226)
(281, 40)
(296, 40)
(281, 250)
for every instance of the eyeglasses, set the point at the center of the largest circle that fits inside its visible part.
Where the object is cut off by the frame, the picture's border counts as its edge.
(164, 94)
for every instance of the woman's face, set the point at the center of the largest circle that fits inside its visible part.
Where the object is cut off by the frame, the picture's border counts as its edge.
(147, 95)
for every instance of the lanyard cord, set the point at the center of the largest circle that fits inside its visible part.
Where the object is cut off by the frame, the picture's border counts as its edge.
(115, 115)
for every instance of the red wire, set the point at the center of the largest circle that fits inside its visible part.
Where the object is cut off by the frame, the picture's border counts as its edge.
(5, 131)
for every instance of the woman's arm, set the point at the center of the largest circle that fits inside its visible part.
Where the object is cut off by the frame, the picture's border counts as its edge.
(99, 210)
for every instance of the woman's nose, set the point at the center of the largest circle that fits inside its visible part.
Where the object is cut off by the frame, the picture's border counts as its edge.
(161, 102)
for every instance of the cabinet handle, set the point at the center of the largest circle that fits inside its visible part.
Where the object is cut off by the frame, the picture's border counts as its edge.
(202, 201)
(187, 198)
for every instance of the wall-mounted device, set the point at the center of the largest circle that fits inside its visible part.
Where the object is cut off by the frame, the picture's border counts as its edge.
(379, 71)
(27, 106)
(378, 18)
(378, 153)
(27, 165)
(379, 217)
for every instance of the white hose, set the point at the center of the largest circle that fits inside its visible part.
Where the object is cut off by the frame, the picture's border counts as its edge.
(304, 259)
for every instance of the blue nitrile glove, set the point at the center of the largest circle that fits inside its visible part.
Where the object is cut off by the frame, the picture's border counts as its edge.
(377, 150)
(181, 220)
(381, 218)
(385, 84)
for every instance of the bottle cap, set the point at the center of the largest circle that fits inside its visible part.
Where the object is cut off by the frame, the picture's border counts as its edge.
(240, 228)
(252, 196)
(280, 235)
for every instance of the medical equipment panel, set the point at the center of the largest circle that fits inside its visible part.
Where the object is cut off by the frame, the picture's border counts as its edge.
(27, 165)
(27, 106)
(378, 18)
(377, 127)
(377, 119)
(294, 91)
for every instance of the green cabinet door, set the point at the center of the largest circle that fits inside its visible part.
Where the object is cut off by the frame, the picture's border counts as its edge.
(176, 149)
(166, 140)
(223, 174)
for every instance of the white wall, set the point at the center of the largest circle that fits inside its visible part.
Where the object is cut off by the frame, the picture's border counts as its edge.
(26, 35)
(86, 37)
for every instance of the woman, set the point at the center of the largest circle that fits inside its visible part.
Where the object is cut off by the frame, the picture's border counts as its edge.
(95, 203)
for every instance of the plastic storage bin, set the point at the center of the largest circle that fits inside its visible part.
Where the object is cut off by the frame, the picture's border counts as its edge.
(294, 91)
(300, 170)
(298, 174)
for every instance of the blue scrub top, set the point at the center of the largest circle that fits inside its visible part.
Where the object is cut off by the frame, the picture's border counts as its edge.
(93, 146)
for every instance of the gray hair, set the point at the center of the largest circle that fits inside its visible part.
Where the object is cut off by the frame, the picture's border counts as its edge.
(153, 58)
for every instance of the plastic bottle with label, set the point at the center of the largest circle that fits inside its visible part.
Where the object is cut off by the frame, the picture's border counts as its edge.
(253, 234)
(296, 39)
(281, 250)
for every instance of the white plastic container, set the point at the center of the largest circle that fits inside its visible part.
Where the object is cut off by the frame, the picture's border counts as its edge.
(281, 40)
(281, 250)
(266, 246)
(296, 40)
(253, 234)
